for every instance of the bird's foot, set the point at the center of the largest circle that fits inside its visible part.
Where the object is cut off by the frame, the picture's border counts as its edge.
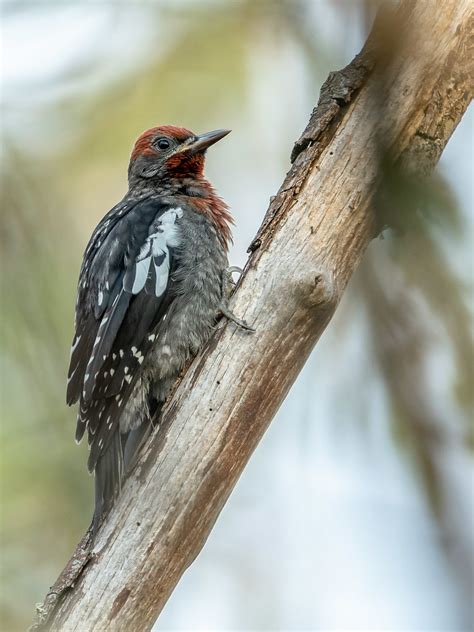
(228, 286)
(225, 311)
(227, 282)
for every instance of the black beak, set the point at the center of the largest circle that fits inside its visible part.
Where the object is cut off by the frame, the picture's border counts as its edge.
(203, 141)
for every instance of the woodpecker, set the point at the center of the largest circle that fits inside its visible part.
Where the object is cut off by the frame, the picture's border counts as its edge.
(153, 280)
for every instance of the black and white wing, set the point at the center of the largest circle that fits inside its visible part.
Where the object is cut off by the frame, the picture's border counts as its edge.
(86, 321)
(129, 289)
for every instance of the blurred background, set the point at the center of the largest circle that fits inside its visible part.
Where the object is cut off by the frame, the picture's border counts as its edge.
(356, 510)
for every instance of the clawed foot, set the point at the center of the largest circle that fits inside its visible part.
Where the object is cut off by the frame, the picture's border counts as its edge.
(227, 282)
(227, 288)
(225, 311)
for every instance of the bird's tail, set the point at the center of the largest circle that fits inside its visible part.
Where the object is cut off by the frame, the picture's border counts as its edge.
(116, 461)
(109, 472)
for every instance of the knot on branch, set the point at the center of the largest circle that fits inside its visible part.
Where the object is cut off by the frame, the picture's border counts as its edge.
(319, 292)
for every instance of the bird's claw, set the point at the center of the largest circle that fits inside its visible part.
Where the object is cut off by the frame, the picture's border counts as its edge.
(231, 269)
(227, 288)
(225, 311)
(228, 283)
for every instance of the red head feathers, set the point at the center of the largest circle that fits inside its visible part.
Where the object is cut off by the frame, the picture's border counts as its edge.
(171, 154)
(176, 147)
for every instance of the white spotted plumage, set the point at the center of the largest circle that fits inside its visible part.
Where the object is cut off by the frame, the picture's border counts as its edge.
(149, 288)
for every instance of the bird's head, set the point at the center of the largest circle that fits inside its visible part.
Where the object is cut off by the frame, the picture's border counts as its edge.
(170, 152)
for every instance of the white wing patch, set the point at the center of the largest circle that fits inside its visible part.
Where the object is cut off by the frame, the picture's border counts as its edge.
(141, 267)
(155, 252)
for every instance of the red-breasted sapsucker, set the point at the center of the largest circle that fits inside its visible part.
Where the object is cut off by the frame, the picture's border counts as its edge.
(152, 282)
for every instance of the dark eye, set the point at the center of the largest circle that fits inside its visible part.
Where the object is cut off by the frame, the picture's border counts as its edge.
(162, 143)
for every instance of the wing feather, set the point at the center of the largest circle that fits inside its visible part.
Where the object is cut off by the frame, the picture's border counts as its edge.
(130, 296)
(106, 334)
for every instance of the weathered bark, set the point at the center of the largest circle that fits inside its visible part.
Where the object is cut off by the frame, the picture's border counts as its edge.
(399, 100)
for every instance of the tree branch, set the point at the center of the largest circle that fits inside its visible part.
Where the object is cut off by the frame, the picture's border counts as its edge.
(399, 99)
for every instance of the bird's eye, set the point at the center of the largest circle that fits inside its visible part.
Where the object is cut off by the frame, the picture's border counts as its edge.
(162, 143)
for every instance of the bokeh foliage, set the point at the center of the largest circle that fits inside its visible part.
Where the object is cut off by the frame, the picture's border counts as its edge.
(200, 72)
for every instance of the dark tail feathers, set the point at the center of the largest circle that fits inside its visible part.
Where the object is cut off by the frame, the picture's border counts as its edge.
(117, 460)
(108, 479)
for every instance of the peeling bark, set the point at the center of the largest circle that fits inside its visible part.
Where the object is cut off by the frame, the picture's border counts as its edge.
(397, 102)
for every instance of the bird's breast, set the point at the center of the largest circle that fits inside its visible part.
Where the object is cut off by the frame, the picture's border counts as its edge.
(199, 262)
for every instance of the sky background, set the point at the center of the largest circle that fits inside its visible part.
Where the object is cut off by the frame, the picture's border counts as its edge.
(356, 510)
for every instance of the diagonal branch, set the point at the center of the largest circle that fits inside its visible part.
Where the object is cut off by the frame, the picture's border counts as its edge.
(416, 63)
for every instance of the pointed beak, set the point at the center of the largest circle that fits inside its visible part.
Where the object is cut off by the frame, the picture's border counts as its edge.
(203, 141)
